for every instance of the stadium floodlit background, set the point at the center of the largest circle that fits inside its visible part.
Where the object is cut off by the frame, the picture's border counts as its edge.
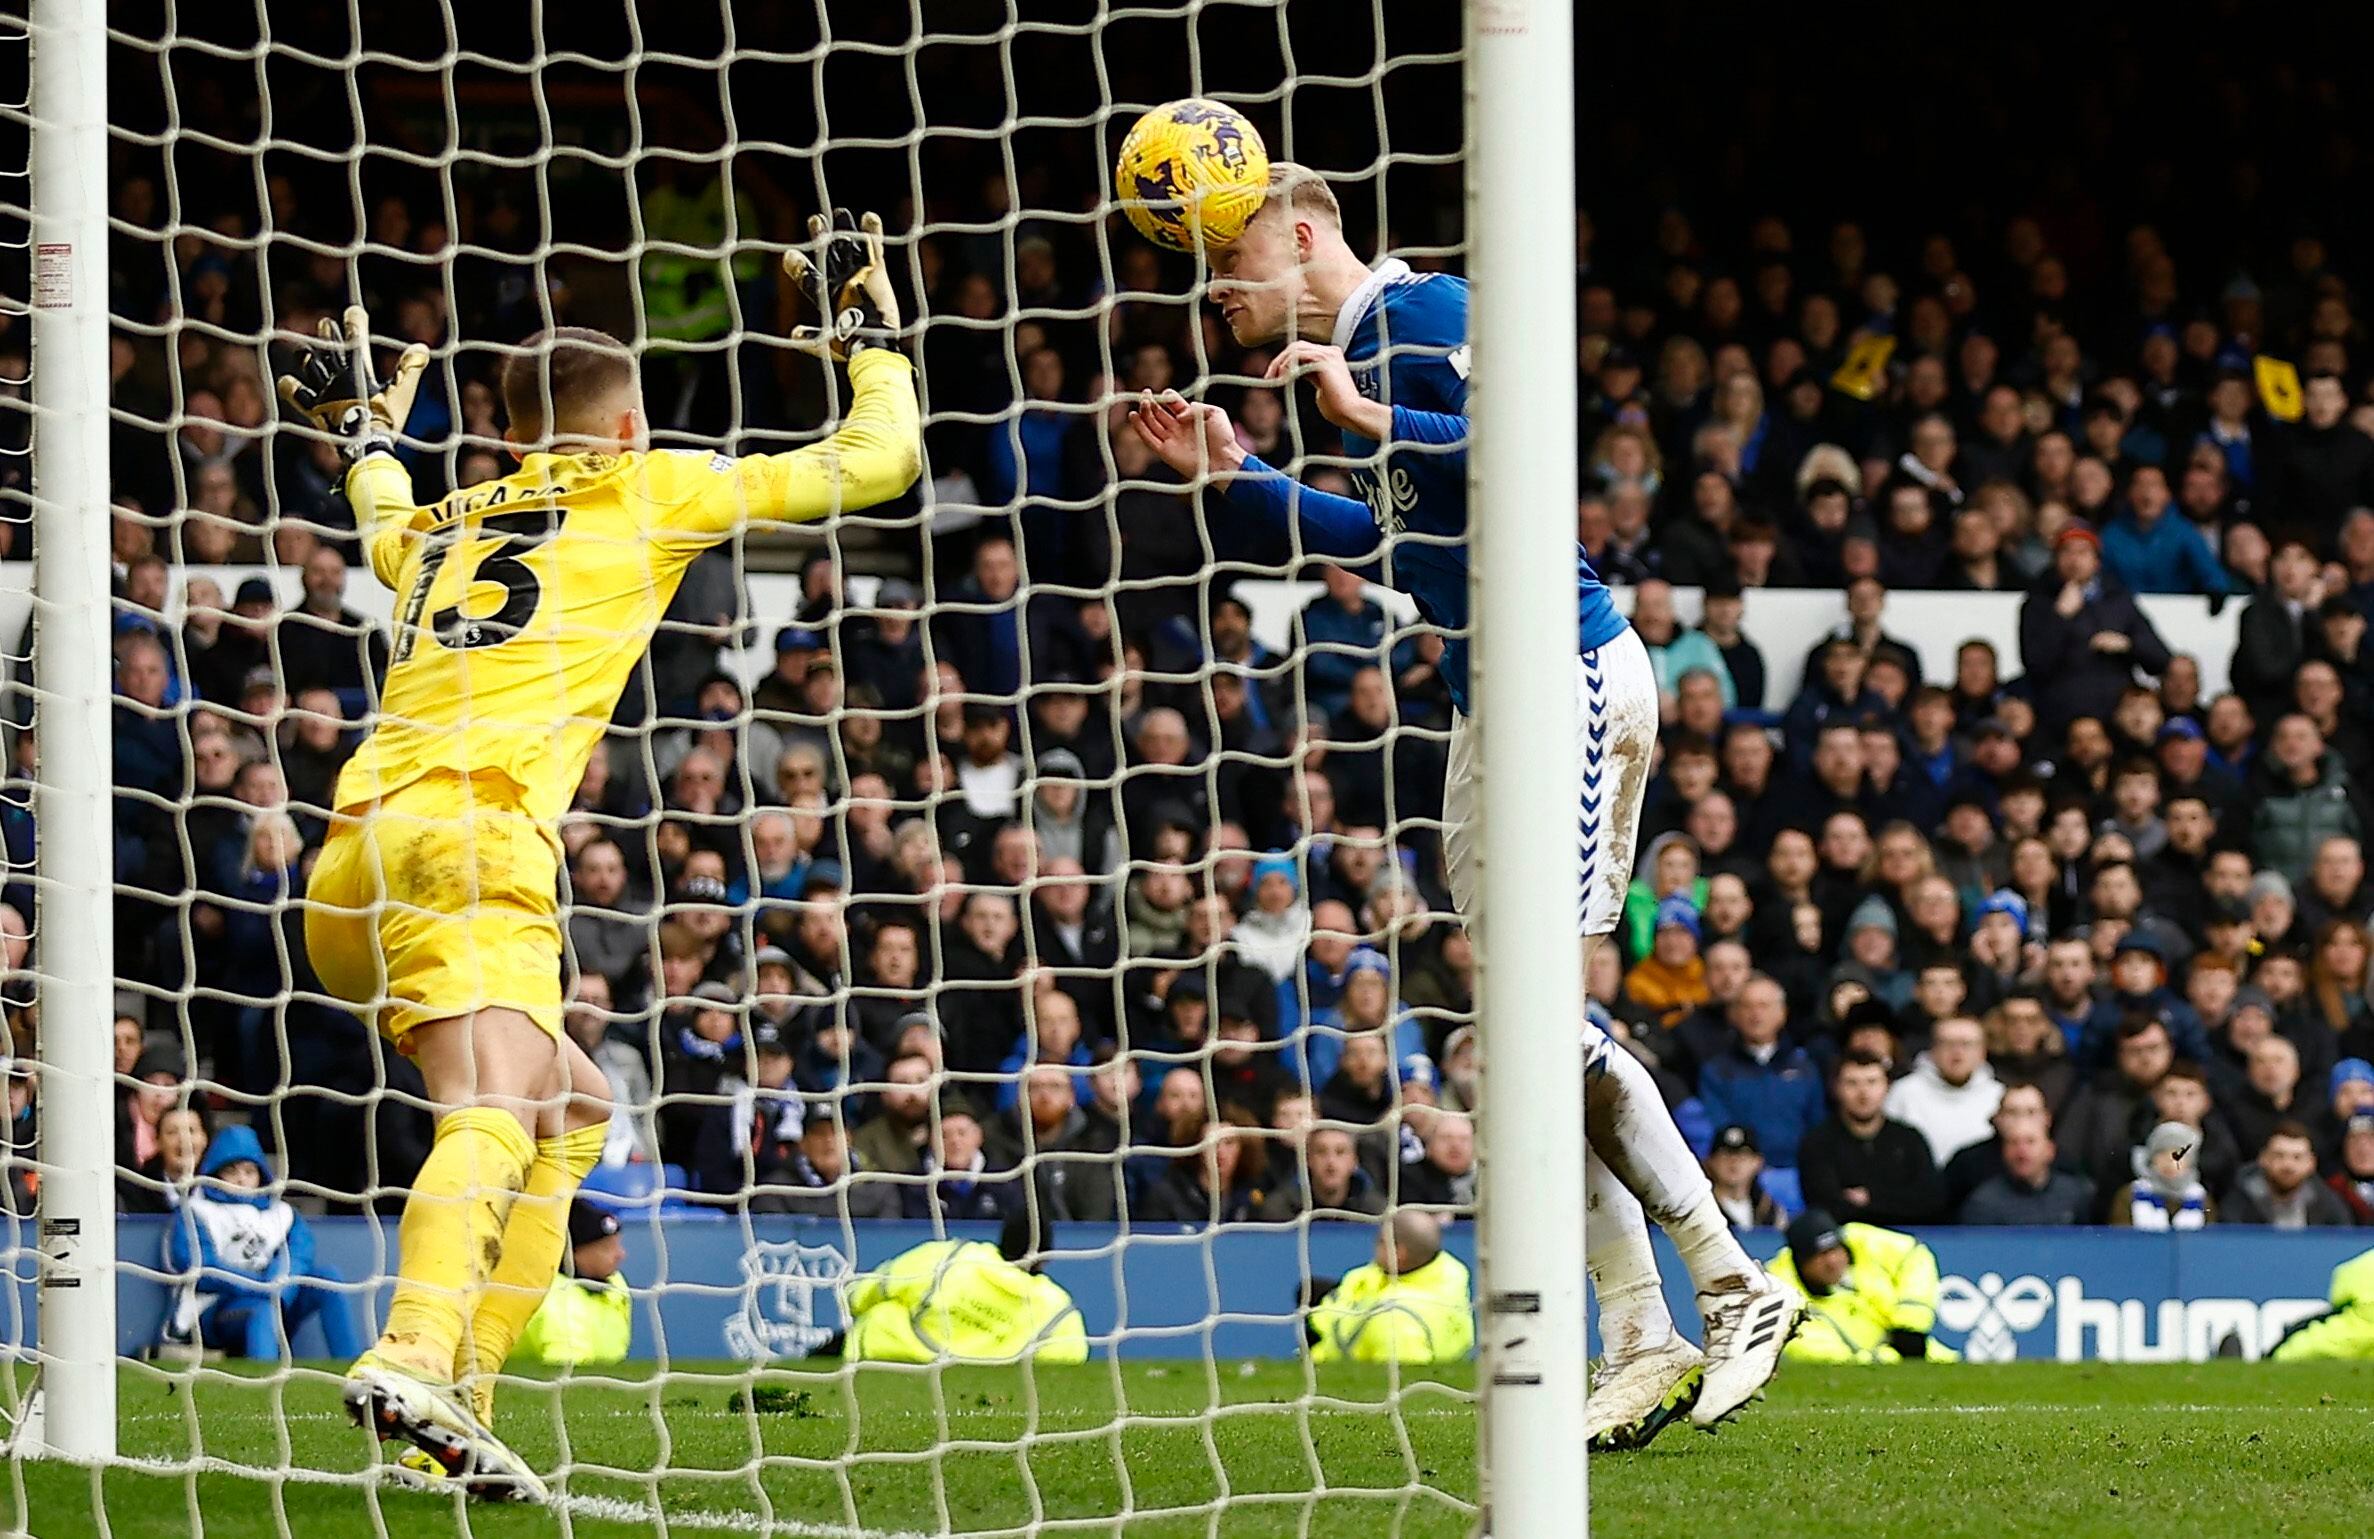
(1934, 306)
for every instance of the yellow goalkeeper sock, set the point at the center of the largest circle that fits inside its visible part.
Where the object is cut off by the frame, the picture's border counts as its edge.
(534, 1241)
(452, 1236)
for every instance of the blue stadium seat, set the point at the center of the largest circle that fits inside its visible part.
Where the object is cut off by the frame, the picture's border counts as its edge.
(627, 1187)
(1785, 1190)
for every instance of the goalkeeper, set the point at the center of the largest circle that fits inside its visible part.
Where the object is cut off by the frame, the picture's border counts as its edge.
(523, 606)
(1403, 410)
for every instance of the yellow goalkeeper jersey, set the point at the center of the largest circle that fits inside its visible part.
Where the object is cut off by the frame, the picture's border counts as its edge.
(524, 604)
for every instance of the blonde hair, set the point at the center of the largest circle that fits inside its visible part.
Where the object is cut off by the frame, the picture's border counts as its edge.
(1303, 193)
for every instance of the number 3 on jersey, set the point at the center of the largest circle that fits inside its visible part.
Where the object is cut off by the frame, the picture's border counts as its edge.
(507, 539)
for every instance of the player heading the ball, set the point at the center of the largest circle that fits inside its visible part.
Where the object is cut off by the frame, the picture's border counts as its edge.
(1387, 349)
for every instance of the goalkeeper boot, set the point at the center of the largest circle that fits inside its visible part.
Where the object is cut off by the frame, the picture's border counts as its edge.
(1632, 1401)
(1745, 1333)
(393, 1405)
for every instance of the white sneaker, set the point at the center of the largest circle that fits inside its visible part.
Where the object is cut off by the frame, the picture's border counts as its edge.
(1744, 1336)
(396, 1406)
(1632, 1401)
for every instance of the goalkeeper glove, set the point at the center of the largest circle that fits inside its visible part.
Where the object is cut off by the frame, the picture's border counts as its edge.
(334, 387)
(850, 289)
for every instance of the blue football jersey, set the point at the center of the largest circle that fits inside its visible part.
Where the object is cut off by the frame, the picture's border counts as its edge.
(1405, 335)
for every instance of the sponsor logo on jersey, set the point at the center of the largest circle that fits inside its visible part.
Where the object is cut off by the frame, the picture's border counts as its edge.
(1389, 497)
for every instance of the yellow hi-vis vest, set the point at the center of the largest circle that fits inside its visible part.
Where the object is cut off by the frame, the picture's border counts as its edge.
(579, 1324)
(1890, 1285)
(2348, 1332)
(1422, 1316)
(961, 1299)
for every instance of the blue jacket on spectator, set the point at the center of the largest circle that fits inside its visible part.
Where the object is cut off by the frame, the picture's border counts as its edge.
(246, 1262)
(1780, 1099)
(2166, 556)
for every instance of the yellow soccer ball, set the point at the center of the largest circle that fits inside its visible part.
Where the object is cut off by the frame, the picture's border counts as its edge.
(1191, 173)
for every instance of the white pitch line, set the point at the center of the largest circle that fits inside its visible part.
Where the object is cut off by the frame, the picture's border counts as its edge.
(608, 1509)
(612, 1509)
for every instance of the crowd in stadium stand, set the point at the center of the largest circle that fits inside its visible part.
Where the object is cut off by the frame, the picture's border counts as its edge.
(1099, 892)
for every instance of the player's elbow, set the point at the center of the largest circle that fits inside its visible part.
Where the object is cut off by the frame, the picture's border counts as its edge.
(879, 472)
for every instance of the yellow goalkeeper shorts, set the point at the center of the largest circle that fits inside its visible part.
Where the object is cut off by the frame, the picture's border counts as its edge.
(440, 900)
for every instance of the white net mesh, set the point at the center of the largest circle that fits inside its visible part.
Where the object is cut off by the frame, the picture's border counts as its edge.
(1034, 843)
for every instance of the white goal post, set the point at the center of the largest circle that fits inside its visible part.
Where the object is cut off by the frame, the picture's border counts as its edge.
(74, 918)
(1520, 178)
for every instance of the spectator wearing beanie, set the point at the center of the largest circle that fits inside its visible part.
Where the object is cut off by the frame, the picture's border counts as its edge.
(1951, 1094)
(1668, 869)
(2348, 1094)
(1871, 955)
(1670, 982)
(1275, 931)
(1762, 1082)
(2182, 1095)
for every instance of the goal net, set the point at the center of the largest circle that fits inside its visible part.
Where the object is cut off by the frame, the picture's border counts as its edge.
(1037, 844)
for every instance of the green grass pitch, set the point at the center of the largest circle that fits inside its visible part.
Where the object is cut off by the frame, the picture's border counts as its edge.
(1138, 1451)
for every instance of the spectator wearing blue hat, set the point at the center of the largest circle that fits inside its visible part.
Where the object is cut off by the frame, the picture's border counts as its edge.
(1366, 1008)
(1670, 982)
(1762, 1081)
(2182, 751)
(1273, 933)
(784, 687)
(2349, 1093)
(1669, 868)
(1999, 944)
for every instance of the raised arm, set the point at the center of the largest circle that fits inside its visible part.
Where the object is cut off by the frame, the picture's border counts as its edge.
(877, 452)
(336, 388)
(874, 456)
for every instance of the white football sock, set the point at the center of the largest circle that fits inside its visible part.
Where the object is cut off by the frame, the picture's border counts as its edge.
(1628, 1127)
(1633, 1317)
